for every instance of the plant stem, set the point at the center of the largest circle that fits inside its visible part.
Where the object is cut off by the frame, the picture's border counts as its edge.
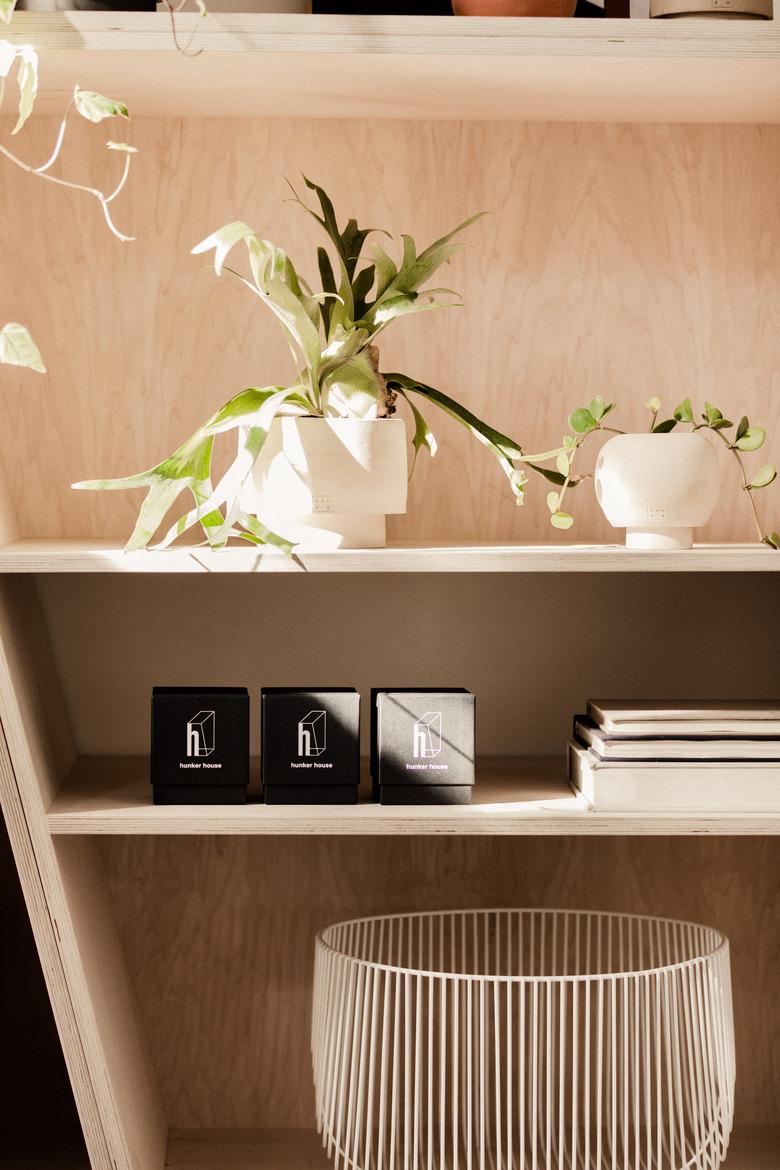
(184, 50)
(101, 198)
(58, 144)
(567, 482)
(745, 486)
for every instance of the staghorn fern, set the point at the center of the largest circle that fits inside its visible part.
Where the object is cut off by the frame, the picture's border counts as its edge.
(331, 334)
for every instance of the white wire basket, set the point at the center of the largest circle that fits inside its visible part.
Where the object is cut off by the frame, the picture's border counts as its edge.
(523, 1040)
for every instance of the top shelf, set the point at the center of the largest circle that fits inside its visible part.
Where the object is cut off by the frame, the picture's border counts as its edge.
(72, 556)
(370, 67)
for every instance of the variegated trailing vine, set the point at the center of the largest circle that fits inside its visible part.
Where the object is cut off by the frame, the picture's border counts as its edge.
(17, 347)
(332, 334)
(94, 107)
(742, 438)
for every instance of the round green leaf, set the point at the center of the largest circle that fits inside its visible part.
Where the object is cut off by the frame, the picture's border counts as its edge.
(569, 440)
(764, 476)
(561, 520)
(562, 463)
(596, 406)
(752, 439)
(581, 420)
(711, 413)
(552, 501)
(684, 412)
(653, 404)
(742, 426)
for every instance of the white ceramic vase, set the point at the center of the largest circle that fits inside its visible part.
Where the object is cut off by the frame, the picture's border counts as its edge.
(328, 483)
(658, 487)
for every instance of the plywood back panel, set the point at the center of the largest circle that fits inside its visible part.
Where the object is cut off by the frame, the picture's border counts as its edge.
(219, 937)
(620, 260)
(533, 648)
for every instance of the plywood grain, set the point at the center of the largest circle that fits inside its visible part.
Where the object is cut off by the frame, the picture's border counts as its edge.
(750, 1149)
(625, 260)
(533, 649)
(104, 1050)
(401, 67)
(219, 938)
(515, 797)
(72, 556)
(47, 943)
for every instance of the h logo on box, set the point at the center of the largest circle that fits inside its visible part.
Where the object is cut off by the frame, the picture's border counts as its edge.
(427, 736)
(200, 734)
(311, 734)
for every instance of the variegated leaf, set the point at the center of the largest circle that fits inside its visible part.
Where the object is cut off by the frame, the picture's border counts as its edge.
(95, 107)
(17, 348)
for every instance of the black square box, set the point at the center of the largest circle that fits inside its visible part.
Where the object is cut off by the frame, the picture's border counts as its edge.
(200, 745)
(310, 745)
(422, 745)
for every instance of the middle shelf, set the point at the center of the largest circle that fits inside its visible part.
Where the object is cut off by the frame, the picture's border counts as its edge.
(521, 796)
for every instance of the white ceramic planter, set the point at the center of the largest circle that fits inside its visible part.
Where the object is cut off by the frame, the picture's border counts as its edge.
(658, 487)
(328, 483)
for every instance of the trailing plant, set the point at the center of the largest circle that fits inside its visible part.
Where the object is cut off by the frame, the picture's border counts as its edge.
(88, 104)
(740, 439)
(332, 336)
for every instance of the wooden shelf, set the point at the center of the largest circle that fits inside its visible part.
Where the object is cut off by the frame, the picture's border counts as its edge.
(111, 796)
(70, 556)
(443, 67)
(751, 1149)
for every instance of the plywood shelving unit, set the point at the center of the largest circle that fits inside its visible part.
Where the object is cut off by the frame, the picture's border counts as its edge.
(631, 170)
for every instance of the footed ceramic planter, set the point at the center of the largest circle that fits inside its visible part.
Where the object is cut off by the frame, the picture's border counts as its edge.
(658, 487)
(328, 483)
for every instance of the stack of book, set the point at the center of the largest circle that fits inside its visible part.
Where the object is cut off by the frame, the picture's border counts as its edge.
(681, 757)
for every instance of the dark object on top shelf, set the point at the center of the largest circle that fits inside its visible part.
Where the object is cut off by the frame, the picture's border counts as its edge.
(514, 7)
(88, 5)
(612, 8)
(435, 8)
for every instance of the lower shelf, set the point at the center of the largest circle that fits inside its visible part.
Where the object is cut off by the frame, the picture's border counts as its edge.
(299, 1149)
(751, 1149)
(519, 796)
